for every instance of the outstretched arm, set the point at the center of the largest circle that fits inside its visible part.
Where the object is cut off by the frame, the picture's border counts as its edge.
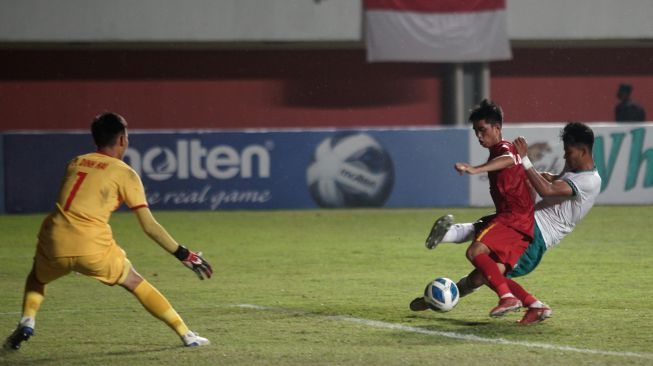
(544, 184)
(190, 259)
(498, 163)
(155, 231)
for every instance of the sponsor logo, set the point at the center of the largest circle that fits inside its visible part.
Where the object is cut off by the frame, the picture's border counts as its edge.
(350, 170)
(189, 159)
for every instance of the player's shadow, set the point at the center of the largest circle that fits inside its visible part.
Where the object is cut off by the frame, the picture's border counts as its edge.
(438, 323)
(452, 321)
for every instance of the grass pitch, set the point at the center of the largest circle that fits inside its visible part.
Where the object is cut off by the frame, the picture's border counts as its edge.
(332, 287)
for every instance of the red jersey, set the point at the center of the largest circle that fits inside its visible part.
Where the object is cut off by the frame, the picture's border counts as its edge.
(510, 193)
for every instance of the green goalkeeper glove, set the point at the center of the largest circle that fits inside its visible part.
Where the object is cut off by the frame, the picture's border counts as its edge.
(194, 262)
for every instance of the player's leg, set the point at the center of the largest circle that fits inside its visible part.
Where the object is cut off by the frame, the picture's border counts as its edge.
(466, 285)
(459, 233)
(497, 248)
(470, 283)
(445, 231)
(479, 255)
(157, 305)
(526, 264)
(438, 231)
(32, 299)
(456, 233)
(537, 310)
(465, 232)
(113, 268)
(528, 261)
(44, 270)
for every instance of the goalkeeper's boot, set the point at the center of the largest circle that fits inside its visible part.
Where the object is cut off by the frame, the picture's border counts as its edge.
(536, 314)
(20, 335)
(439, 229)
(418, 304)
(506, 305)
(191, 339)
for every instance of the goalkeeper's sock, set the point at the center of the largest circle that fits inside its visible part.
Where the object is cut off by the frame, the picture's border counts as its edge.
(459, 233)
(32, 299)
(526, 298)
(157, 305)
(491, 272)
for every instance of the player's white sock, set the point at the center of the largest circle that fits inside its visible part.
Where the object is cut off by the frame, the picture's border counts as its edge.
(537, 304)
(459, 233)
(27, 321)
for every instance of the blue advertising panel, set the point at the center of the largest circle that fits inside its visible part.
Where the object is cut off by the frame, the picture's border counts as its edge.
(34, 165)
(258, 170)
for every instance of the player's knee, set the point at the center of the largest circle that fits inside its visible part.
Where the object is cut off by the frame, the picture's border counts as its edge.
(470, 254)
(475, 249)
(33, 283)
(132, 280)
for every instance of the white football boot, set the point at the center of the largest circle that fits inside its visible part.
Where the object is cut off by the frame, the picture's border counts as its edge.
(191, 339)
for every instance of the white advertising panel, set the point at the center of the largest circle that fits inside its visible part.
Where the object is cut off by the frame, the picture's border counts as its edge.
(623, 154)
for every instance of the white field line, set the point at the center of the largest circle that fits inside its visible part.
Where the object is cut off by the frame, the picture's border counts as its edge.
(461, 336)
(394, 326)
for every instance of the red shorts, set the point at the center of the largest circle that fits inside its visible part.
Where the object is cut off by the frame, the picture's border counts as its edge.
(506, 243)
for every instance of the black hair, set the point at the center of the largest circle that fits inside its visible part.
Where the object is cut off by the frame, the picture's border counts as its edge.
(578, 134)
(488, 111)
(625, 88)
(106, 128)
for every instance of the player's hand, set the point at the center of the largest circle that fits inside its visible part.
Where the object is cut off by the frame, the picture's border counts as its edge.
(464, 168)
(521, 145)
(195, 262)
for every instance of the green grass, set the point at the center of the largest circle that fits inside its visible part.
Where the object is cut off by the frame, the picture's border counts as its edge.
(316, 265)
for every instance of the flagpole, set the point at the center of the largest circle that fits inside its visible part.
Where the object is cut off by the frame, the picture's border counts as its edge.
(484, 81)
(453, 94)
(458, 100)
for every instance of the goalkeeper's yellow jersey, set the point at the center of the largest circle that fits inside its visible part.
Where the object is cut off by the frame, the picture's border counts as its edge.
(93, 186)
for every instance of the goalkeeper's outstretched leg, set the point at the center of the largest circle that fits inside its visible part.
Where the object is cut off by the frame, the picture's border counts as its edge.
(157, 305)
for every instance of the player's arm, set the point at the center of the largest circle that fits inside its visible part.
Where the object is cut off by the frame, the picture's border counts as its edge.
(497, 163)
(155, 231)
(541, 183)
(158, 233)
(133, 193)
(549, 177)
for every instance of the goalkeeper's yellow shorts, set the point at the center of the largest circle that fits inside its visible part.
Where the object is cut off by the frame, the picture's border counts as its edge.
(110, 267)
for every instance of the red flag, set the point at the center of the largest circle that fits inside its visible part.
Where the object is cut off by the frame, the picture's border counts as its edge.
(436, 30)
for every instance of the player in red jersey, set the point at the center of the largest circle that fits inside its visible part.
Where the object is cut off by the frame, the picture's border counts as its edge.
(499, 245)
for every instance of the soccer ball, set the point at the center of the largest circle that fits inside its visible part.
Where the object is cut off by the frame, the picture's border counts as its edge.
(441, 294)
(350, 170)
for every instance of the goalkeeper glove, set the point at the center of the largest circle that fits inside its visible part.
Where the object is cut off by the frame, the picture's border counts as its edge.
(194, 261)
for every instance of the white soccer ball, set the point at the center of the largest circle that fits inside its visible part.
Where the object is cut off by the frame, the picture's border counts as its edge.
(350, 170)
(441, 294)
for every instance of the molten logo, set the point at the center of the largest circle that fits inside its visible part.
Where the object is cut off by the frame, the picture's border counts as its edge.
(191, 159)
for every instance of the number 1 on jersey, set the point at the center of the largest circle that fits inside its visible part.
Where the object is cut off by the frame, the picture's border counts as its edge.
(80, 178)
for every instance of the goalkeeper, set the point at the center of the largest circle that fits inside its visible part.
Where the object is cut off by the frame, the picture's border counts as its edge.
(77, 237)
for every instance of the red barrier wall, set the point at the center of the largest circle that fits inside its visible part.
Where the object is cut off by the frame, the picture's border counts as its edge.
(65, 88)
(544, 85)
(214, 89)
